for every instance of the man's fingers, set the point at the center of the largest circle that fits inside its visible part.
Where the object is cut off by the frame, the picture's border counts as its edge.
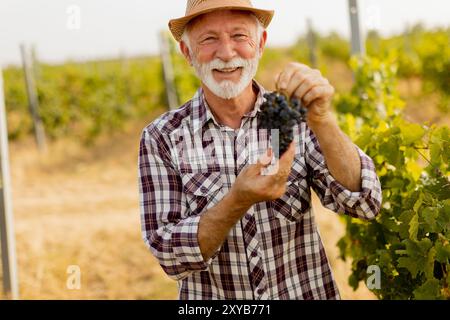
(277, 81)
(300, 78)
(324, 92)
(284, 78)
(294, 83)
(263, 162)
(307, 84)
(266, 158)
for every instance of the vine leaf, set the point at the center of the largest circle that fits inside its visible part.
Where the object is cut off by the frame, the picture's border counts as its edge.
(428, 291)
(414, 227)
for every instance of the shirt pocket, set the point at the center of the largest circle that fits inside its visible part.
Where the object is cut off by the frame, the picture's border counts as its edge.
(293, 205)
(203, 190)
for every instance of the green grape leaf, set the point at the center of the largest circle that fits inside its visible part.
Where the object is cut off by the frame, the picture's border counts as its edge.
(435, 154)
(429, 216)
(414, 227)
(424, 245)
(411, 133)
(418, 203)
(442, 252)
(405, 218)
(417, 259)
(443, 218)
(410, 264)
(428, 291)
(391, 150)
(353, 281)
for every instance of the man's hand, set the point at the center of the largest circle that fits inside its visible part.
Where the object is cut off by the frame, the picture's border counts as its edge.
(341, 157)
(249, 188)
(301, 82)
(252, 187)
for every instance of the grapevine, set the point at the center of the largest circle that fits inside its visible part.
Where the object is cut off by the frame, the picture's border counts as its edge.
(409, 240)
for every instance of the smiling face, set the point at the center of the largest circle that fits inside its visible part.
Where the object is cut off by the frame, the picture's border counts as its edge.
(224, 47)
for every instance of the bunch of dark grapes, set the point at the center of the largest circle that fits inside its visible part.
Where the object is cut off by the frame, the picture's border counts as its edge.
(277, 112)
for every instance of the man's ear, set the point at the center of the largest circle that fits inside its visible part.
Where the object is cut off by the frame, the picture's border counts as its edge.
(185, 51)
(262, 42)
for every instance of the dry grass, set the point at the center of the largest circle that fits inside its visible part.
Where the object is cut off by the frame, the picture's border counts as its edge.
(79, 206)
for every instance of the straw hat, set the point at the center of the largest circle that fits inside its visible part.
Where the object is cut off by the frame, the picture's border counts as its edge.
(195, 8)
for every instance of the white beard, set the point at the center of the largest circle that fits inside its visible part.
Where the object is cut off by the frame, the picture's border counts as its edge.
(227, 89)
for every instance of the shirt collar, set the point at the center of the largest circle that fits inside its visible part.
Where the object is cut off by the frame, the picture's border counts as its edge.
(202, 114)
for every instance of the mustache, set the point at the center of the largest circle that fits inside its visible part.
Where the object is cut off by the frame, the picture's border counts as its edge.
(227, 89)
(220, 64)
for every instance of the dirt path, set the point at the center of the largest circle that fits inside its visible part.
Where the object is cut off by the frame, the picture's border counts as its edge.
(79, 206)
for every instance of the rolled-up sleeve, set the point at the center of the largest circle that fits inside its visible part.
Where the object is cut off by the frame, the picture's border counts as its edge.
(171, 237)
(364, 204)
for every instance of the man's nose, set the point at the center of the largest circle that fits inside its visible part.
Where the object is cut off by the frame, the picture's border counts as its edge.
(226, 51)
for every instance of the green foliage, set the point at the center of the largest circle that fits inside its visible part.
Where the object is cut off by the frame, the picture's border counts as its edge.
(186, 82)
(334, 46)
(419, 53)
(409, 240)
(84, 99)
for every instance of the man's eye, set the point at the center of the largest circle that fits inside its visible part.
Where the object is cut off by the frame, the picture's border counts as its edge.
(208, 39)
(240, 36)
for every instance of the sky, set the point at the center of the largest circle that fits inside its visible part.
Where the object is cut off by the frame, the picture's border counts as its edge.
(93, 29)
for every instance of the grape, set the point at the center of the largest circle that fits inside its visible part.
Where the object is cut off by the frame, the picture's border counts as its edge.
(279, 113)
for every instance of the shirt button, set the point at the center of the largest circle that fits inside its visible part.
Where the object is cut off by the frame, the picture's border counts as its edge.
(254, 254)
(261, 290)
(248, 216)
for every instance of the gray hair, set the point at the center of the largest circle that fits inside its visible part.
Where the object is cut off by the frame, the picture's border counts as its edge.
(259, 31)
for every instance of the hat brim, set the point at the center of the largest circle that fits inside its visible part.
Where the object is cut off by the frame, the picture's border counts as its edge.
(177, 26)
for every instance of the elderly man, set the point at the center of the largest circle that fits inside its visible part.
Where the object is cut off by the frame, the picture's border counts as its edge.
(214, 220)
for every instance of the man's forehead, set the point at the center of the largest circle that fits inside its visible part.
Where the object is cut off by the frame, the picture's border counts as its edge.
(212, 18)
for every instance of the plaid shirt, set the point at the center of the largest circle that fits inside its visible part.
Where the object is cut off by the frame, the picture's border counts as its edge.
(188, 162)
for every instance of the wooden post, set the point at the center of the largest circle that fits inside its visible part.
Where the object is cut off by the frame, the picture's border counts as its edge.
(357, 39)
(8, 248)
(33, 103)
(169, 77)
(35, 64)
(312, 44)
